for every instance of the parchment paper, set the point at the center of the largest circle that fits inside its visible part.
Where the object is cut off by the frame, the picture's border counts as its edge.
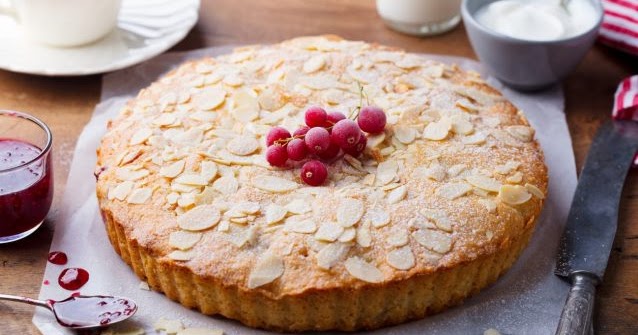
(527, 300)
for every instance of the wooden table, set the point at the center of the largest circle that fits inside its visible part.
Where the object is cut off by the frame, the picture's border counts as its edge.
(66, 105)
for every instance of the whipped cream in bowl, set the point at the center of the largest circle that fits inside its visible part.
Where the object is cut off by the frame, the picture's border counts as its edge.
(531, 44)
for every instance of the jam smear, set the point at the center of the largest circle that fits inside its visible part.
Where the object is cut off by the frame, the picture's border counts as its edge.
(58, 257)
(81, 311)
(25, 192)
(73, 278)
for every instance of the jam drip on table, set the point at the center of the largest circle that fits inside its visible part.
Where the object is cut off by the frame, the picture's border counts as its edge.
(73, 278)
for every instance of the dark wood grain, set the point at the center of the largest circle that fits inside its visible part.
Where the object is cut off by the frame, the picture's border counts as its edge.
(66, 105)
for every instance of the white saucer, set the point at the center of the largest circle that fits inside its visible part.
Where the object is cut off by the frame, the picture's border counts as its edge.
(145, 28)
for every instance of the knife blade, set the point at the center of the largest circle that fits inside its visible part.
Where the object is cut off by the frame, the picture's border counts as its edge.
(591, 224)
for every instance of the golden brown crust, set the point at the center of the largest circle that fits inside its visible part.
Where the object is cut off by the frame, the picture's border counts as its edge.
(460, 243)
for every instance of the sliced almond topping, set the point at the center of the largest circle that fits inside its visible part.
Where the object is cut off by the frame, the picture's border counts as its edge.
(180, 255)
(172, 198)
(489, 205)
(274, 184)
(514, 194)
(484, 182)
(298, 206)
(210, 98)
(401, 259)
(455, 170)
(208, 170)
(535, 191)
(199, 218)
(121, 191)
(267, 268)
(331, 254)
(247, 207)
(300, 226)
(349, 212)
(243, 145)
(364, 238)
(314, 64)
(233, 79)
(515, 178)
(439, 217)
(131, 156)
(186, 200)
(404, 134)
(398, 238)
(140, 195)
(378, 217)
(200, 331)
(521, 133)
(226, 185)
(171, 327)
(452, 191)
(507, 167)
(387, 171)
(375, 140)
(141, 136)
(461, 125)
(275, 213)
(397, 194)
(433, 240)
(191, 179)
(437, 131)
(348, 235)
(183, 240)
(363, 270)
(478, 138)
(329, 232)
(126, 173)
(173, 170)
(165, 119)
(246, 107)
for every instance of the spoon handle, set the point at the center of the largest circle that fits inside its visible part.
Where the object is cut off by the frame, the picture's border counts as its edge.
(25, 300)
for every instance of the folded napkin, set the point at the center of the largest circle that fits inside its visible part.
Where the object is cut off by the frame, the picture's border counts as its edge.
(626, 102)
(620, 25)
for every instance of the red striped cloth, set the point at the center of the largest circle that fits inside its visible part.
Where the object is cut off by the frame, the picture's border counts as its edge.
(620, 25)
(626, 102)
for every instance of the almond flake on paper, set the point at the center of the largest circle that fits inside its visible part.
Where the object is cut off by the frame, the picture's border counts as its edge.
(171, 327)
(363, 270)
(267, 269)
(200, 331)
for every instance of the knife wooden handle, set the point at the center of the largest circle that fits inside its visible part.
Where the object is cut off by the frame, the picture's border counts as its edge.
(576, 318)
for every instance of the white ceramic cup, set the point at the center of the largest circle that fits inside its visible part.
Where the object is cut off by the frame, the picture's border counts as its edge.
(63, 23)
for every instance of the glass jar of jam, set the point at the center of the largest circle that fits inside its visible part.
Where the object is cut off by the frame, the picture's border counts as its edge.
(26, 177)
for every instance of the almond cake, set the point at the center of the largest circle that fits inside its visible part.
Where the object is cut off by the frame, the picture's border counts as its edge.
(440, 204)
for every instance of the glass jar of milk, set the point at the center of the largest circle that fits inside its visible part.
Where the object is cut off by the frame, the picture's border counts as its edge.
(420, 17)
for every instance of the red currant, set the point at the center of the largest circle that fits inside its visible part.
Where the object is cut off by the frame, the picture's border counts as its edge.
(301, 131)
(276, 134)
(357, 150)
(334, 117)
(314, 173)
(297, 149)
(315, 117)
(277, 155)
(346, 133)
(317, 140)
(371, 119)
(330, 153)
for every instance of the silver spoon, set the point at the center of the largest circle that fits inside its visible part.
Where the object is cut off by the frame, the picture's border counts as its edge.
(81, 312)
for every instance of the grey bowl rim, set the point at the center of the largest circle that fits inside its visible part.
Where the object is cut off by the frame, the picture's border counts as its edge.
(469, 19)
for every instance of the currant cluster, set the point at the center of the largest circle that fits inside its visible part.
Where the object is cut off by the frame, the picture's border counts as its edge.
(325, 135)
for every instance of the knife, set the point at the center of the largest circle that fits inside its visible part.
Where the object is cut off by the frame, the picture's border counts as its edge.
(591, 224)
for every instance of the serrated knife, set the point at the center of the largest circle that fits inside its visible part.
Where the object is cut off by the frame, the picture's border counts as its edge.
(591, 224)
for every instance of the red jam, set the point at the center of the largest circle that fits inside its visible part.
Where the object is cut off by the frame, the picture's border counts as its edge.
(73, 278)
(26, 192)
(57, 257)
